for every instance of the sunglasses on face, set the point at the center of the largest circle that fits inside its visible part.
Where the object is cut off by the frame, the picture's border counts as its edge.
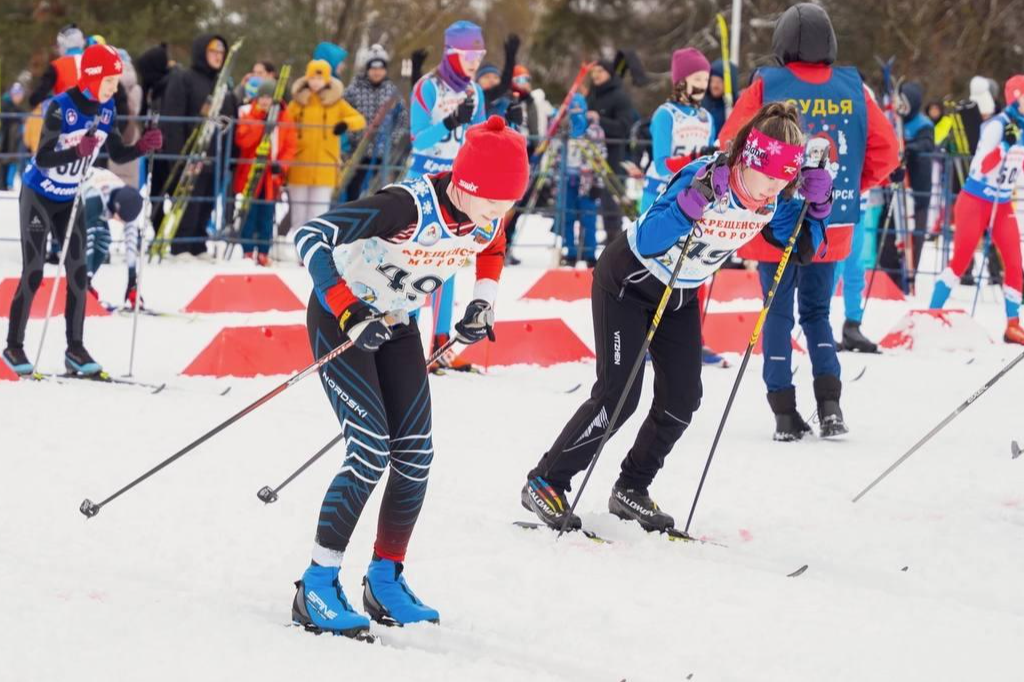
(469, 55)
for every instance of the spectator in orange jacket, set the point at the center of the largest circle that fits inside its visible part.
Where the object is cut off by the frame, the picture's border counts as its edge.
(283, 143)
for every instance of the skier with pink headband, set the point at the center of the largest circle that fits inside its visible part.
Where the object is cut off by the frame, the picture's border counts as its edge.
(725, 201)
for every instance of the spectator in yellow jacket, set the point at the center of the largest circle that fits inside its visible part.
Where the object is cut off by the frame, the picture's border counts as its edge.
(321, 116)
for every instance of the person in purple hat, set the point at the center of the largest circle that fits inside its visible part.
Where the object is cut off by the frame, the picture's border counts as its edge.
(681, 130)
(445, 102)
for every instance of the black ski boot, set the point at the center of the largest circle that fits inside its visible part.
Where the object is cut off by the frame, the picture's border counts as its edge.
(15, 358)
(789, 425)
(78, 361)
(549, 504)
(636, 505)
(854, 340)
(827, 390)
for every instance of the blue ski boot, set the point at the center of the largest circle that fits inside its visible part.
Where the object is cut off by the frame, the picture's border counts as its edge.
(388, 599)
(320, 605)
(78, 361)
(15, 358)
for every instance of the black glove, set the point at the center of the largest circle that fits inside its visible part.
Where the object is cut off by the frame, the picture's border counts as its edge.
(595, 192)
(476, 324)
(514, 114)
(365, 327)
(462, 115)
(418, 58)
(1010, 134)
(896, 177)
(705, 151)
(275, 168)
(511, 48)
(340, 127)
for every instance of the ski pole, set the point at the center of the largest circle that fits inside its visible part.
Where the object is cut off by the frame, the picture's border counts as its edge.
(878, 253)
(637, 364)
(72, 217)
(154, 118)
(268, 495)
(779, 271)
(963, 406)
(91, 509)
(707, 301)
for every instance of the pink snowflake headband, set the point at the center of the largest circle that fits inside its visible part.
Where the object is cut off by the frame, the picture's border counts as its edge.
(774, 158)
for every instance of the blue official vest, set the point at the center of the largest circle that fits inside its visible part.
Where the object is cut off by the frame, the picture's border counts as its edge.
(61, 183)
(835, 119)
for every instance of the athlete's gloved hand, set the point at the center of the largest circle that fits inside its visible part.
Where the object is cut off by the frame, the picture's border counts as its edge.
(477, 323)
(418, 59)
(152, 140)
(707, 150)
(340, 127)
(514, 114)
(1010, 133)
(710, 183)
(511, 48)
(896, 177)
(816, 188)
(86, 146)
(462, 115)
(366, 328)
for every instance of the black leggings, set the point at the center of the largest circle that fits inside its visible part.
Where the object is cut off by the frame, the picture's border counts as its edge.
(382, 402)
(40, 217)
(620, 325)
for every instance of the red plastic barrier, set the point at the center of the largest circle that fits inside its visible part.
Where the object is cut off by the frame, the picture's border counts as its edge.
(730, 332)
(948, 330)
(9, 287)
(6, 373)
(533, 342)
(884, 289)
(254, 351)
(562, 284)
(244, 294)
(731, 285)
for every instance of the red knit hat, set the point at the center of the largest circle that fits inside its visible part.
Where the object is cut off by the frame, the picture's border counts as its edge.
(98, 62)
(492, 163)
(1013, 89)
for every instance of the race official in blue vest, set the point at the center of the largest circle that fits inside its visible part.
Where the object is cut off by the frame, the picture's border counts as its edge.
(844, 124)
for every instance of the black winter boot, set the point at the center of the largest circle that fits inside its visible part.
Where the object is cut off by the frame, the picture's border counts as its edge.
(789, 425)
(854, 339)
(827, 390)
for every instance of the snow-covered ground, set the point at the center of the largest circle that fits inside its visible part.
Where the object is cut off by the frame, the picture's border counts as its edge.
(189, 576)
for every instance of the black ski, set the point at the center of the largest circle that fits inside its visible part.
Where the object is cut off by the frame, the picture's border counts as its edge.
(128, 312)
(676, 535)
(589, 534)
(100, 378)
